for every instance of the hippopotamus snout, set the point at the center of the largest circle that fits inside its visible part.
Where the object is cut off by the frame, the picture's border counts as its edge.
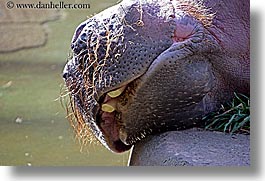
(127, 67)
(142, 67)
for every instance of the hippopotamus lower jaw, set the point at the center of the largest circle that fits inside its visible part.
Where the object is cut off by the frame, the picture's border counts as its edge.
(171, 78)
(183, 82)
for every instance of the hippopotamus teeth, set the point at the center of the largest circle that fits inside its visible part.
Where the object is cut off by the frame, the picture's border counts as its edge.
(123, 136)
(116, 92)
(110, 106)
(107, 108)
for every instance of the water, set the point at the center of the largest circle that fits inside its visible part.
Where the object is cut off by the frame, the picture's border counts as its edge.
(33, 127)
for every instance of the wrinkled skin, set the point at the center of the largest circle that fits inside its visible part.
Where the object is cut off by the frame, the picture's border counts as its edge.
(175, 66)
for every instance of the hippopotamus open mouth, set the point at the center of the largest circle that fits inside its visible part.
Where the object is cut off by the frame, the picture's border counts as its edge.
(142, 67)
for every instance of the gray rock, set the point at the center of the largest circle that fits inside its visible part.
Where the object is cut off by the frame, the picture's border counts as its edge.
(192, 147)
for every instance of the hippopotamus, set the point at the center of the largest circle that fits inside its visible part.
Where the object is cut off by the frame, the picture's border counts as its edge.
(144, 67)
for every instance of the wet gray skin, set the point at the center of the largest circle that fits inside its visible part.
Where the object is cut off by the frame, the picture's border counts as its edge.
(176, 66)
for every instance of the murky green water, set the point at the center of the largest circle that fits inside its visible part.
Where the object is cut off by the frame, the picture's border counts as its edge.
(33, 128)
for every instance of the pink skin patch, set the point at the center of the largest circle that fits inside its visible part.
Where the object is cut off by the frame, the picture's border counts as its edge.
(182, 32)
(109, 126)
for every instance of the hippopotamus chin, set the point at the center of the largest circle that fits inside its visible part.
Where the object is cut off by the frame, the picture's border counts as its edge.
(147, 66)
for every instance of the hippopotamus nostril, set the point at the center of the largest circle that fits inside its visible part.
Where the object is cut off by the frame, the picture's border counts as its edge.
(78, 31)
(84, 37)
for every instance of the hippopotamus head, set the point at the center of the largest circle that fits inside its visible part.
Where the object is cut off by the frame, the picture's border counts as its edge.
(146, 66)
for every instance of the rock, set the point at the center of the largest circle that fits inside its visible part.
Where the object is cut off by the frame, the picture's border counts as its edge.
(24, 28)
(192, 147)
(19, 36)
